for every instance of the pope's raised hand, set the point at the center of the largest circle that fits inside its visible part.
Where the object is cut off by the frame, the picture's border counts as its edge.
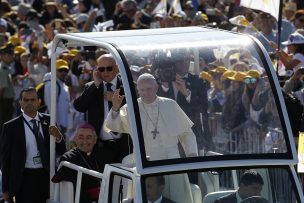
(117, 100)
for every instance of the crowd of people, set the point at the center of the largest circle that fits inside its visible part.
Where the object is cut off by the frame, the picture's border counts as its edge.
(89, 85)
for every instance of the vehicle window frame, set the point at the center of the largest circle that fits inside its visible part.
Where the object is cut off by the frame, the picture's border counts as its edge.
(111, 183)
(281, 167)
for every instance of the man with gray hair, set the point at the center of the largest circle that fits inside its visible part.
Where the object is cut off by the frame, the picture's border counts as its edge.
(164, 124)
(84, 155)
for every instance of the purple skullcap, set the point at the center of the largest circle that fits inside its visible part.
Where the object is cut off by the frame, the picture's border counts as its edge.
(86, 126)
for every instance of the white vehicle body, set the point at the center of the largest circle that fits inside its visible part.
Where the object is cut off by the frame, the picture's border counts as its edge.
(226, 160)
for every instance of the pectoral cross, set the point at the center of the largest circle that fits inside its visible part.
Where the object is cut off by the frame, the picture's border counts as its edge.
(154, 132)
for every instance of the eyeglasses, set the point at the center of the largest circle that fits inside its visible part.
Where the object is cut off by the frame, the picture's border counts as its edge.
(63, 70)
(250, 80)
(301, 20)
(103, 69)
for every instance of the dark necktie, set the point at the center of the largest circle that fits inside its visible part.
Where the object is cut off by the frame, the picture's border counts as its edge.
(109, 89)
(40, 145)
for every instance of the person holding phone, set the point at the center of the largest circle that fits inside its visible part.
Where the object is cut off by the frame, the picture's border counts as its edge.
(294, 84)
(96, 101)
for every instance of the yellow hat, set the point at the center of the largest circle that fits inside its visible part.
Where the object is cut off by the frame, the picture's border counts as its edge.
(206, 76)
(15, 40)
(35, 45)
(238, 76)
(73, 52)
(239, 20)
(70, 54)
(227, 73)
(219, 69)
(204, 17)
(10, 14)
(253, 74)
(19, 50)
(60, 64)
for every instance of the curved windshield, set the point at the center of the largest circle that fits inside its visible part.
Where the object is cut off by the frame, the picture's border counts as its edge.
(259, 185)
(212, 95)
(197, 92)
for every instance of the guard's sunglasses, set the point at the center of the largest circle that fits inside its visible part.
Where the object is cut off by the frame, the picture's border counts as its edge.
(103, 69)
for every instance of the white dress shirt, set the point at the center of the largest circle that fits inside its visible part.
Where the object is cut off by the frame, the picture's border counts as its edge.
(103, 134)
(157, 201)
(31, 143)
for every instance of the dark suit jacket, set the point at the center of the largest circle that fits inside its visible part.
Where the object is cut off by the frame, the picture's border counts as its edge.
(198, 102)
(13, 151)
(198, 105)
(166, 200)
(91, 101)
(231, 198)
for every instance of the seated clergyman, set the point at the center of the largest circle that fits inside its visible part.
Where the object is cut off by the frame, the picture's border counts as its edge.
(84, 155)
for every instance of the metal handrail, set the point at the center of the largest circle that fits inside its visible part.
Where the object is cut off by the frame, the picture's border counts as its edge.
(80, 170)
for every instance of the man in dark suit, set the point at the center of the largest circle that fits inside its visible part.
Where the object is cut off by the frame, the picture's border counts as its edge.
(25, 152)
(96, 101)
(251, 184)
(190, 92)
(155, 186)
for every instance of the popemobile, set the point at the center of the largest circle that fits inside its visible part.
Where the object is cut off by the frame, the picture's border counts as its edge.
(218, 127)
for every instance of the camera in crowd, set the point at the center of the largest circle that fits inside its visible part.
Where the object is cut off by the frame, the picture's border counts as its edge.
(165, 69)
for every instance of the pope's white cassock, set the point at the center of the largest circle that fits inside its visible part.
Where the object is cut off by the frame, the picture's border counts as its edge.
(172, 124)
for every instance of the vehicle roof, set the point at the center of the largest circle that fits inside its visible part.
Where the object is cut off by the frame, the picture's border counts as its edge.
(119, 43)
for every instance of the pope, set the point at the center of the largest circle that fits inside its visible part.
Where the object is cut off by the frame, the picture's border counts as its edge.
(164, 124)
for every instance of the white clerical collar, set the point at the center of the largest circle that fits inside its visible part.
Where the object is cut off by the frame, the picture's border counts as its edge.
(28, 119)
(113, 82)
(158, 200)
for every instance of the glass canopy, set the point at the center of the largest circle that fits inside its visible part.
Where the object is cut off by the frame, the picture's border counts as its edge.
(216, 96)
(223, 85)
